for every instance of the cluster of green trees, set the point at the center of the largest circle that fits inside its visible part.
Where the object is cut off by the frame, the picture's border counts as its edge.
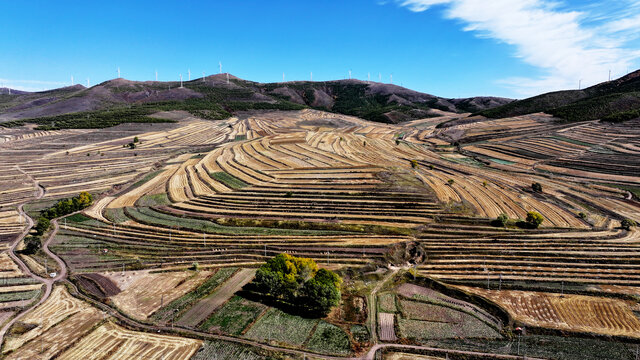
(61, 208)
(68, 206)
(533, 221)
(298, 283)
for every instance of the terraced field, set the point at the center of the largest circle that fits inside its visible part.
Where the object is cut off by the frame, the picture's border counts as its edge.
(181, 219)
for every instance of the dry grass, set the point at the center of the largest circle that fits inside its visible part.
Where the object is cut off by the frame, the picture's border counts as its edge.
(569, 312)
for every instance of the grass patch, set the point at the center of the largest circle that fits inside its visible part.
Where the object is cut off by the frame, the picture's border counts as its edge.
(78, 218)
(154, 200)
(500, 161)
(229, 180)
(115, 215)
(281, 327)
(329, 339)
(234, 316)
(387, 303)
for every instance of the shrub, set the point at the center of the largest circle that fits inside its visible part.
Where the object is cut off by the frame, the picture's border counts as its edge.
(31, 245)
(414, 164)
(132, 145)
(501, 220)
(534, 219)
(43, 225)
(536, 187)
(627, 224)
(135, 139)
(582, 215)
(450, 182)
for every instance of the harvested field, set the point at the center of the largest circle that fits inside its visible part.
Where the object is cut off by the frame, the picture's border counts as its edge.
(588, 314)
(110, 341)
(386, 323)
(143, 292)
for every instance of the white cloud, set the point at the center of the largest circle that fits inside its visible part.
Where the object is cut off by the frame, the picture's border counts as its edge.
(545, 36)
(30, 85)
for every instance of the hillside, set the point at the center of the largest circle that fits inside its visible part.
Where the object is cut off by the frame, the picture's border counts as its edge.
(615, 100)
(216, 98)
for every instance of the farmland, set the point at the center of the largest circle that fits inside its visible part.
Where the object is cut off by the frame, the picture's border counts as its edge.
(405, 212)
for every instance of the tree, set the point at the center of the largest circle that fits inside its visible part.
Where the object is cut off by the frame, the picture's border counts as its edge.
(43, 225)
(501, 220)
(450, 182)
(132, 145)
(135, 139)
(536, 187)
(534, 219)
(414, 164)
(299, 283)
(627, 224)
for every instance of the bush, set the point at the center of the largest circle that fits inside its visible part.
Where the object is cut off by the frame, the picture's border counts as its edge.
(299, 283)
(501, 220)
(582, 215)
(450, 182)
(536, 187)
(31, 245)
(414, 164)
(534, 219)
(627, 224)
(135, 139)
(42, 226)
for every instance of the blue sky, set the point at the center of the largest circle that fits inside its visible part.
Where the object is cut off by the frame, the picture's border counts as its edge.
(451, 48)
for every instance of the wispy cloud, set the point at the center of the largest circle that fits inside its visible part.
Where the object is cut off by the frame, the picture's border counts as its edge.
(567, 45)
(30, 85)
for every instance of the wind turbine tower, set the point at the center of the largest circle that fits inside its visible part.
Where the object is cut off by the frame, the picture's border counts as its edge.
(283, 76)
(156, 75)
(227, 78)
(379, 77)
(609, 75)
(311, 76)
(391, 78)
(368, 77)
(204, 78)
(349, 74)
(220, 64)
(189, 76)
(88, 84)
(71, 80)
(181, 81)
(118, 72)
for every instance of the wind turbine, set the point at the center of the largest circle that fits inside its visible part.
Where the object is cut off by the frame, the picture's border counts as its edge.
(391, 78)
(156, 75)
(71, 80)
(180, 80)
(227, 78)
(580, 84)
(88, 84)
(368, 77)
(220, 64)
(118, 72)
(189, 72)
(204, 78)
(609, 75)
(311, 76)
(349, 74)
(283, 76)
(379, 77)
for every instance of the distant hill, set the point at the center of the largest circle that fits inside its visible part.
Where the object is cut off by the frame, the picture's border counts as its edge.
(217, 99)
(615, 100)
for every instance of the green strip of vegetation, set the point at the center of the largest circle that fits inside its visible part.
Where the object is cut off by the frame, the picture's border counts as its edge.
(177, 306)
(229, 180)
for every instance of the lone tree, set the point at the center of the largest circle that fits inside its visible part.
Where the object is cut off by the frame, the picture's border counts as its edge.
(627, 224)
(299, 283)
(501, 220)
(536, 187)
(534, 219)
